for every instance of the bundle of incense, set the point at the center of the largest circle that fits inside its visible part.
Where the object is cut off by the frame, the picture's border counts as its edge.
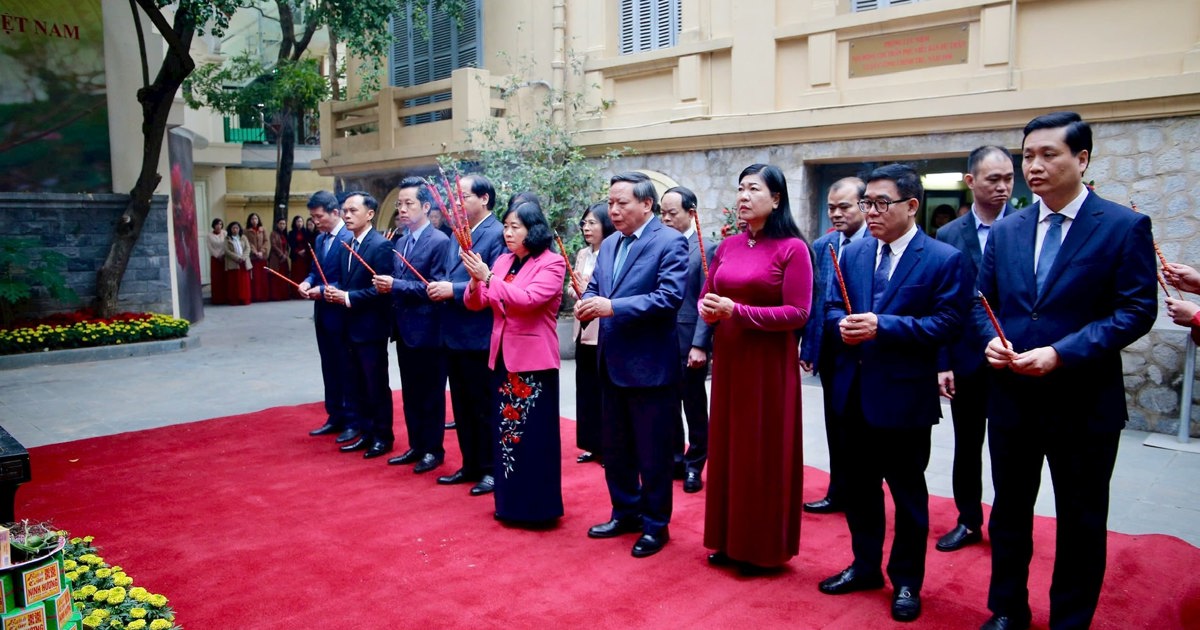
(316, 260)
(462, 232)
(282, 277)
(456, 208)
(700, 241)
(1162, 283)
(841, 281)
(1161, 258)
(360, 258)
(570, 271)
(992, 316)
(411, 268)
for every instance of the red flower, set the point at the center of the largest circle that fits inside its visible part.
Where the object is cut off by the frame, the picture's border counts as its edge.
(510, 412)
(516, 439)
(521, 390)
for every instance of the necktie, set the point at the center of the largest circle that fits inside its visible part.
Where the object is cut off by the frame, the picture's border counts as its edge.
(622, 253)
(845, 242)
(353, 246)
(880, 282)
(325, 244)
(1050, 247)
(408, 246)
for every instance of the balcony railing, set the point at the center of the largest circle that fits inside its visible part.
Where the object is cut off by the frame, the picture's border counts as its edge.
(241, 135)
(408, 125)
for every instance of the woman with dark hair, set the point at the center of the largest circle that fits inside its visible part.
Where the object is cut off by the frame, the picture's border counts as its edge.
(525, 196)
(216, 263)
(595, 227)
(524, 290)
(237, 265)
(260, 247)
(757, 297)
(298, 251)
(311, 232)
(278, 261)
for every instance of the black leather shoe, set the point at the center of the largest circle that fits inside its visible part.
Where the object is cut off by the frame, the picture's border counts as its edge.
(824, 506)
(585, 457)
(692, 483)
(958, 538)
(487, 485)
(719, 559)
(454, 479)
(326, 429)
(906, 604)
(850, 581)
(378, 449)
(427, 463)
(361, 444)
(450, 426)
(1000, 622)
(615, 527)
(347, 436)
(407, 457)
(650, 544)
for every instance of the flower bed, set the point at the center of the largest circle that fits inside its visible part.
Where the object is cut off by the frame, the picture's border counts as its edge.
(82, 329)
(106, 597)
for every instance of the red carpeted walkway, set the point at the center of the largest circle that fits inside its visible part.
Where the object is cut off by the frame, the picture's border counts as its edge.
(246, 522)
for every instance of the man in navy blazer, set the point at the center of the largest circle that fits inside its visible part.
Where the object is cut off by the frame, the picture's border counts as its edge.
(328, 318)
(466, 336)
(417, 327)
(1072, 282)
(695, 341)
(963, 376)
(820, 342)
(635, 292)
(365, 326)
(907, 298)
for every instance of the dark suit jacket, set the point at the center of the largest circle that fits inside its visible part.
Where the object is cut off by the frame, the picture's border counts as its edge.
(462, 328)
(815, 342)
(693, 332)
(1100, 296)
(417, 321)
(965, 355)
(329, 316)
(923, 308)
(367, 317)
(637, 345)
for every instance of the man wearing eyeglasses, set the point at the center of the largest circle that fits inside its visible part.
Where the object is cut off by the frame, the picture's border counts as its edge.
(908, 296)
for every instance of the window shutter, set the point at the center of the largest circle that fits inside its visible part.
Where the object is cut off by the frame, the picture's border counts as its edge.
(647, 25)
(424, 57)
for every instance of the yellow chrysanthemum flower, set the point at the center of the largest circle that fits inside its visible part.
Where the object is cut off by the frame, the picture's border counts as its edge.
(69, 565)
(122, 581)
(102, 613)
(136, 624)
(137, 613)
(160, 624)
(158, 600)
(139, 593)
(103, 573)
(88, 590)
(100, 595)
(72, 575)
(83, 568)
(92, 622)
(88, 539)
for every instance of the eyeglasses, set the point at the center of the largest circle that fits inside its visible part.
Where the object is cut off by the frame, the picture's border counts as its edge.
(882, 205)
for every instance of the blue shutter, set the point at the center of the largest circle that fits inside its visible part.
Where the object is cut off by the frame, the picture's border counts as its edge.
(424, 57)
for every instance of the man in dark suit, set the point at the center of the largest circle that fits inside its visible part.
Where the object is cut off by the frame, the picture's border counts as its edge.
(635, 292)
(962, 373)
(908, 298)
(417, 328)
(1072, 282)
(365, 331)
(695, 341)
(329, 318)
(820, 342)
(466, 338)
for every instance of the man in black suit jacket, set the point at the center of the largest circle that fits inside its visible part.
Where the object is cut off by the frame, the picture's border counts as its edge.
(962, 376)
(1072, 282)
(821, 342)
(366, 325)
(417, 328)
(329, 318)
(467, 336)
(695, 340)
(908, 297)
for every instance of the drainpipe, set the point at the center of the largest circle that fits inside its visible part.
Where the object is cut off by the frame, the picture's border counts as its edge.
(559, 62)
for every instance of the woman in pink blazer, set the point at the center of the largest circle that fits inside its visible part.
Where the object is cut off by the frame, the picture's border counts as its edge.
(524, 289)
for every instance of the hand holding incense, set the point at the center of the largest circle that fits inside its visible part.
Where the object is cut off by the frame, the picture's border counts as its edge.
(995, 322)
(841, 281)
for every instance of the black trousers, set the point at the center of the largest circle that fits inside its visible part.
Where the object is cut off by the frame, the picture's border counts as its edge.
(335, 365)
(369, 394)
(898, 456)
(835, 438)
(1081, 465)
(638, 430)
(423, 390)
(695, 413)
(588, 411)
(471, 397)
(969, 409)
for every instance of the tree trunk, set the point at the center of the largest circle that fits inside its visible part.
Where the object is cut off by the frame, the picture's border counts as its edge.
(335, 85)
(156, 100)
(286, 142)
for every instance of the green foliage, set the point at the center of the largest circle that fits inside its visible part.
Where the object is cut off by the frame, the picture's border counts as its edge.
(536, 151)
(122, 329)
(25, 266)
(290, 85)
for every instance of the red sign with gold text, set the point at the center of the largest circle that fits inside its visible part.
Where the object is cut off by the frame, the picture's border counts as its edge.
(33, 619)
(42, 583)
(910, 50)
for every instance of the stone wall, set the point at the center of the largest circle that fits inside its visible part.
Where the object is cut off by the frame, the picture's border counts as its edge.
(1156, 162)
(79, 226)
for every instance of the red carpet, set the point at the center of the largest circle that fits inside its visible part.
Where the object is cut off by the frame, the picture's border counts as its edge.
(247, 522)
